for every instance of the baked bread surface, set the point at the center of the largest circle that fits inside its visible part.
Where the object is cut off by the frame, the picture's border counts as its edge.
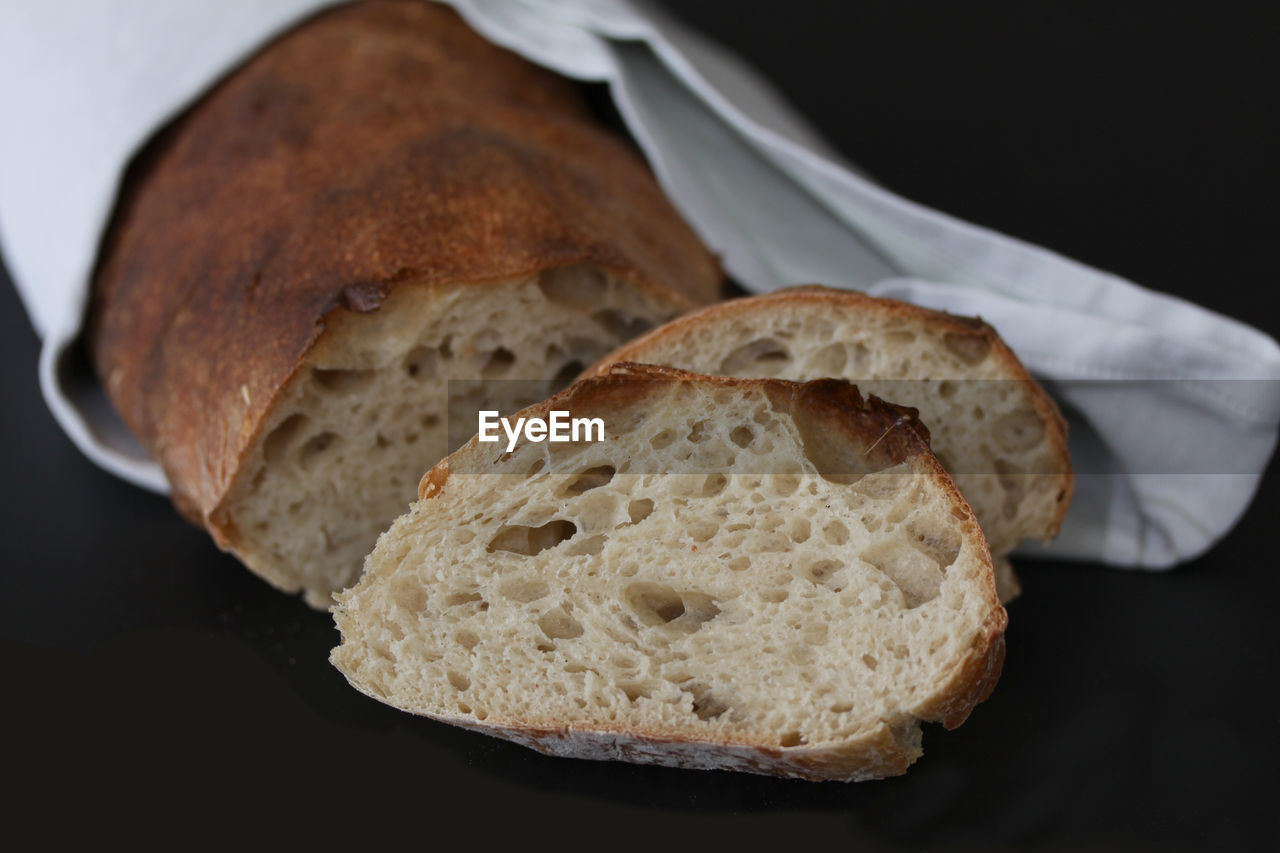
(378, 149)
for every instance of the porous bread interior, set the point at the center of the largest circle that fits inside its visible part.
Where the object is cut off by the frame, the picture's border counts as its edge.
(342, 452)
(697, 578)
(983, 421)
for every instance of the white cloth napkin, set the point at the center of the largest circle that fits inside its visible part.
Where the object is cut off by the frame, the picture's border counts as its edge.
(1169, 440)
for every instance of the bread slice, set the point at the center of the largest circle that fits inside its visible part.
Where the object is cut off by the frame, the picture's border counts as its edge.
(752, 575)
(993, 427)
(377, 203)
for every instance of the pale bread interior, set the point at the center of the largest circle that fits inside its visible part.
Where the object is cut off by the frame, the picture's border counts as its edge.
(1002, 445)
(697, 578)
(341, 455)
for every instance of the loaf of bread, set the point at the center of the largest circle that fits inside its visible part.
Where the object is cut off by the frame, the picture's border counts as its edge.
(377, 203)
(993, 427)
(754, 575)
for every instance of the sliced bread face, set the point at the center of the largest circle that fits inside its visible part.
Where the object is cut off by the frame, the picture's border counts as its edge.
(754, 575)
(339, 456)
(993, 427)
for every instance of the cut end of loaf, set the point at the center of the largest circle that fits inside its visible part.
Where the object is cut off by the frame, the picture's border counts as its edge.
(993, 427)
(374, 407)
(753, 575)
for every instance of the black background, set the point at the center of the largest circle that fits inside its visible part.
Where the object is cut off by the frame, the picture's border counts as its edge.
(152, 687)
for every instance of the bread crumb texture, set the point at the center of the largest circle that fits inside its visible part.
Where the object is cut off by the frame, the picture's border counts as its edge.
(340, 456)
(750, 575)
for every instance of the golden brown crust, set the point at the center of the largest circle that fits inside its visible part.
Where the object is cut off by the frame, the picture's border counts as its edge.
(851, 301)
(376, 145)
(886, 750)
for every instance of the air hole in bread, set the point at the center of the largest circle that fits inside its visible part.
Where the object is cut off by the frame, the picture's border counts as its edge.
(277, 444)
(459, 681)
(654, 604)
(775, 596)
(969, 348)
(911, 570)
(940, 543)
(1019, 430)
(422, 361)
(410, 598)
(835, 533)
(946, 389)
(498, 363)
(829, 361)
(699, 432)
(662, 439)
(635, 690)
(798, 530)
(742, 436)
(640, 509)
(782, 485)
(881, 485)
(762, 357)
(524, 590)
(519, 539)
(556, 624)
(624, 663)
(821, 571)
(315, 446)
(455, 599)
(700, 530)
(713, 485)
(592, 478)
(467, 639)
(576, 286)
(341, 381)
(566, 374)
(622, 326)
(869, 662)
(792, 739)
(706, 705)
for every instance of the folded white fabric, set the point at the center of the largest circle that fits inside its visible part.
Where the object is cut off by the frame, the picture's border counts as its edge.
(1174, 408)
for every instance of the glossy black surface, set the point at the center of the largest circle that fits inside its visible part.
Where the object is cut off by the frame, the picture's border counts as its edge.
(152, 687)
